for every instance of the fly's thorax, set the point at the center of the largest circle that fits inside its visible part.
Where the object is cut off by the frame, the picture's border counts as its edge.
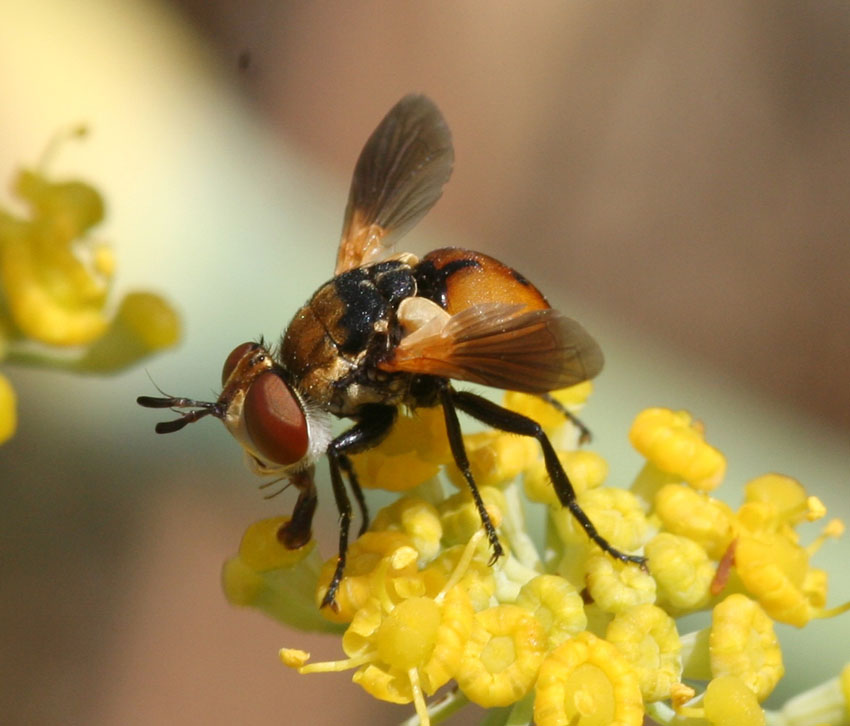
(332, 344)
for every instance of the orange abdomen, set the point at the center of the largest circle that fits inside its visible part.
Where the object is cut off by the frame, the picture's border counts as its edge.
(457, 279)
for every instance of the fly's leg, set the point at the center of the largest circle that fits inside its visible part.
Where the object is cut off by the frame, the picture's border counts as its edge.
(348, 468)
(515, 423)
(584, 435)
(448, 400)
(298, 530)
(375, 422)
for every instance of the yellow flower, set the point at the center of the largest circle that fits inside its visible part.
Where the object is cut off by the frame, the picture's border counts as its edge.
(556, 604)
(279, 581)
(459, 515)
(586, 681)
(616, 513)
(729, 702)
(426, 605)
(673, 445)
(495, 458)
(682, 571)
(53, 296)
(404, 647)
(502, 656)
(374, 560)
(549, 417)
(8, 412)
(478, 578)
(586, 470)
(413, 452)
(416, 518)
(743, 644)
(54, 285)
(648, 638)
(143, 325)
(419, 635)
(615, 586)
(772, 565)
(785, 495)
(688, 513)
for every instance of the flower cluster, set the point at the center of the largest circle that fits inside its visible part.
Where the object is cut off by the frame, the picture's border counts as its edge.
(54, 288)
(556, 632)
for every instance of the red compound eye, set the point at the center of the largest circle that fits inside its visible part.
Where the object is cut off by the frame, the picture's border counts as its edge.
(233, 359)
(274, 420)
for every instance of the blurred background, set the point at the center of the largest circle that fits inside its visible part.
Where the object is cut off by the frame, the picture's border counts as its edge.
(675, 176)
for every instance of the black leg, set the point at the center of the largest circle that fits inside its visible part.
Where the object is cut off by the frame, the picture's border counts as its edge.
(515, 423)
(375, 422)
(447, 399)
(298, 530)
(345, 464)
(584, 435)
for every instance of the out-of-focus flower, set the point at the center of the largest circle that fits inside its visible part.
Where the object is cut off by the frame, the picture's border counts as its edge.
(556, 631)
(55, 280)
(8, 413)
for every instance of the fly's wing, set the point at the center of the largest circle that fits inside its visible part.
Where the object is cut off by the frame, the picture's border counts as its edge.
(502, 345)
(399, 176)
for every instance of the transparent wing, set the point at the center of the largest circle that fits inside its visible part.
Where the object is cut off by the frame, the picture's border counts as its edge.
(502, 345)
(399, 176)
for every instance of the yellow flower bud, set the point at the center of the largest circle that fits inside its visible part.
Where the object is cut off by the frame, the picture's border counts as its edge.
(707, 521)
(786, 495)
(616, 513)
(587, 680)
(502, 656)
(495, 458)
(648, 638)
(460, 517)
(674, 444)
(616, 586)
(8, 409)
(412, 453)
(586, 470)
(743, 644)
(682, 571)
(369, 564)
(556, 604)
(544, 413)
(729, 702)
(416, 518)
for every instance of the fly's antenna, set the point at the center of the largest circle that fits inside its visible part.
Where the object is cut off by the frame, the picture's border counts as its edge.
(201, 409)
